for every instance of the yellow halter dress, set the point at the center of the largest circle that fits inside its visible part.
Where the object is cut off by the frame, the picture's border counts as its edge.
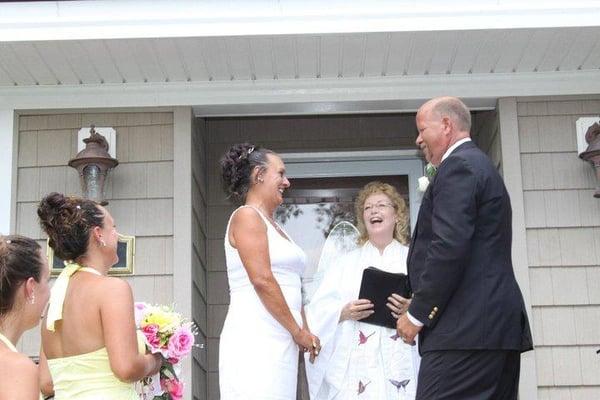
(83, 376)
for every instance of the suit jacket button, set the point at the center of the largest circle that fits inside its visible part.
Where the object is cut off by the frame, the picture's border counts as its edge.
(435, 309)
(430, 316)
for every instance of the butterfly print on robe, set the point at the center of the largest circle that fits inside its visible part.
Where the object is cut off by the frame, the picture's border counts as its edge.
(362, 386)
(362, 339)
(400, 384)
(395, 336)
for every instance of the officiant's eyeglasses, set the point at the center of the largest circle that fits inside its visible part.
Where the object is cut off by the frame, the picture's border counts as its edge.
(378, 206)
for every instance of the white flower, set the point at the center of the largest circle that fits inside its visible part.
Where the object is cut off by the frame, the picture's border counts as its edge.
(423, 183)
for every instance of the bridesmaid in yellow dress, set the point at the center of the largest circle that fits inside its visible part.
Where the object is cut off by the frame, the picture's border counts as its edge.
(24, 292)
(89, 343)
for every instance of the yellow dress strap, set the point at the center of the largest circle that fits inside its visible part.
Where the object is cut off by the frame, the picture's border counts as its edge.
(57, 295)
(8, 343)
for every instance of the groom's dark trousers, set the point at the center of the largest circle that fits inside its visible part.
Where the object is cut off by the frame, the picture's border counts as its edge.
(465, 291)
(469, 375)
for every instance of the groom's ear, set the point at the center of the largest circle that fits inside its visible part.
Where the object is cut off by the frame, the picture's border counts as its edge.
(447, 125)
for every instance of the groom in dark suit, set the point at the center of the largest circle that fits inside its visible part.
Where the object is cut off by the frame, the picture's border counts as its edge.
(467, 307)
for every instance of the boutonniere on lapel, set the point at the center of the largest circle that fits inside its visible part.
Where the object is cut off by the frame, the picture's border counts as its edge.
(429, 171)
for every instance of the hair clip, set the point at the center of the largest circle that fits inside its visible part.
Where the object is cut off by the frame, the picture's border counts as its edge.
(247, 154)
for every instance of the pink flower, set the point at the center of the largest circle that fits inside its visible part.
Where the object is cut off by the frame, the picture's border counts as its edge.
(151, 333)
(180, 344)
(139, 312)
(173, 387)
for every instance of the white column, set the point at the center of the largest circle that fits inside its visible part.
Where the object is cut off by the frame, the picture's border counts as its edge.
(182, 224)
(6, 168)
(511, 168)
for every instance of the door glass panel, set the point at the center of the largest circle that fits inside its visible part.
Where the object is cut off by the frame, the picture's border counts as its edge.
(313, 206)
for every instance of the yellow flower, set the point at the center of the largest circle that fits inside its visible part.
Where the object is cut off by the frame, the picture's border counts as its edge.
(165, 319)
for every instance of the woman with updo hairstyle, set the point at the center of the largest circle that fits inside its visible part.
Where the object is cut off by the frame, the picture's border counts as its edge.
(90, 348)
(265, 325)
(359, 358)
(24, 292)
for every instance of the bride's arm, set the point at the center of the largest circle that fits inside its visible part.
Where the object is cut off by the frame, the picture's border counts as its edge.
(248, 234)
(120, 338)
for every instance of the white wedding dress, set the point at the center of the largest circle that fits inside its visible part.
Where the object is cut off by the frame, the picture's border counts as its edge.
(258, 359)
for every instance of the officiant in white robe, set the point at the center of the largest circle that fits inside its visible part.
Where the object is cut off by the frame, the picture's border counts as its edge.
(361, 360)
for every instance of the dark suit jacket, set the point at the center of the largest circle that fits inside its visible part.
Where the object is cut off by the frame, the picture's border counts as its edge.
(459, 261)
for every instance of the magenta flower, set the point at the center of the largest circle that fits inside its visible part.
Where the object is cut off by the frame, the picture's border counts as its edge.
(151, 333)
(180, 344)
(173, 387)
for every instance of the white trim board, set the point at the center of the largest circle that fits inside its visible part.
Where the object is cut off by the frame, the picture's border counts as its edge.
(334, 96)
(7, 168)
(180, 18)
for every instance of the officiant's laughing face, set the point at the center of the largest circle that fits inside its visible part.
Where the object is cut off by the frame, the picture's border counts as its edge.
(379, 216)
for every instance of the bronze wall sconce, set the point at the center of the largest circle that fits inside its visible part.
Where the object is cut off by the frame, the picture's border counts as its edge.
(592, 153)
(93, 164)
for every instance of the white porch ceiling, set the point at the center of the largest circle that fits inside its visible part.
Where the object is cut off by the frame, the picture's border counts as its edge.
(340, 56)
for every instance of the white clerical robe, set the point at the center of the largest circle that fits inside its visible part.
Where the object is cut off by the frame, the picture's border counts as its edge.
(358, 360)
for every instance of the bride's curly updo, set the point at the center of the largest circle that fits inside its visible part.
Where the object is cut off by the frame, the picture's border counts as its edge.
(68, 221)
(237, 165)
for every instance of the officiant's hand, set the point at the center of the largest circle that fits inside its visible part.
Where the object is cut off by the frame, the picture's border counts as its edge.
(357, 310)
(397, 304)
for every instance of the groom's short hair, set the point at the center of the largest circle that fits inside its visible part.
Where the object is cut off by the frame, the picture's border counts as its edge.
(456, 110)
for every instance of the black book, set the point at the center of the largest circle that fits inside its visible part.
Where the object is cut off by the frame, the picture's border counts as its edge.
(377, 286)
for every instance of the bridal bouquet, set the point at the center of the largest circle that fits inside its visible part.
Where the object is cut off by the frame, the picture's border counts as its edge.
(168, 333)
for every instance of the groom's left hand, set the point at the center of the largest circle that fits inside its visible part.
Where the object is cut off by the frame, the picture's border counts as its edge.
(407, 330)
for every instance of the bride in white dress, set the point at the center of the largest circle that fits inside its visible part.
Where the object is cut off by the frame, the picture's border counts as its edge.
(265, 326)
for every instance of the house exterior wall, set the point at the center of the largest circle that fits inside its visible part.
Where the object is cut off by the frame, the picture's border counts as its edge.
(562, 222)
(139, 188)
(486, 132)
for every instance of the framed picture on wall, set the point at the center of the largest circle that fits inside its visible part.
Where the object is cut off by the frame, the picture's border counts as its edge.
(125, 251)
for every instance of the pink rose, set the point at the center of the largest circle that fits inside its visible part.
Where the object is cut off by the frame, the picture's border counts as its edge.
(180, 344)
(151, 333)
(173, 387)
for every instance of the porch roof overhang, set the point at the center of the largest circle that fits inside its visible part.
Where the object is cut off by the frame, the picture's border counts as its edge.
(293, 57)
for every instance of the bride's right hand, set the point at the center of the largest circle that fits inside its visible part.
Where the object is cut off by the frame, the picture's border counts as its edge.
(307, 342)
(357, 310)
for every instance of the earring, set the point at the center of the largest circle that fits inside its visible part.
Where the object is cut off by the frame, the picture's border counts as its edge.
(260, 180)
(32, 299)
(102, 243)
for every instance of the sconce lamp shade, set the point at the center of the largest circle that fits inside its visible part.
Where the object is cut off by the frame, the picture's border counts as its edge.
(592, 153)
(93, 164)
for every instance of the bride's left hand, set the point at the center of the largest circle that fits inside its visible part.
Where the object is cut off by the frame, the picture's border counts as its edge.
(397, 304)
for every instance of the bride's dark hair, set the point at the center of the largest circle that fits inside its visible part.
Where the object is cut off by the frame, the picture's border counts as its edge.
(237, 165)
